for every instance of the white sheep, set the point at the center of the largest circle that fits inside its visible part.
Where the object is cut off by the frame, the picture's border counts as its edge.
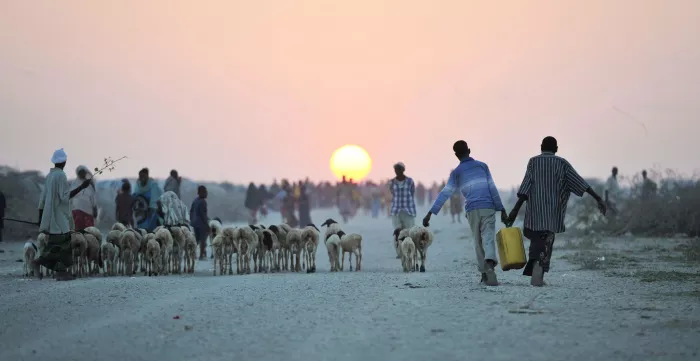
(93, 258)
(333, 248)
(247, 242)
(408, 254)
(110, 256)
(422, 238)
(294, 241)
(231, 237)
(215, 228)
(79, 247)
(30, 251)
(309, 238)
(179, 239)
(217, 248)
(284, 253)
(129, 247)
(154, 261)
(190, 250)
(165, 240)
(118, 227)
(95, 232)
(351, 244)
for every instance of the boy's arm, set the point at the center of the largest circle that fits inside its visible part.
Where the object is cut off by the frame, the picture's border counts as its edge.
(445, 194)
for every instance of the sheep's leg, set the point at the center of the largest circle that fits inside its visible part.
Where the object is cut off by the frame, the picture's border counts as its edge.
(358, 260)
(423, 256)
(350, 260)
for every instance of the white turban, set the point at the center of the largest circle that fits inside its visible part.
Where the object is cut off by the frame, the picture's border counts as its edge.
(59, 156)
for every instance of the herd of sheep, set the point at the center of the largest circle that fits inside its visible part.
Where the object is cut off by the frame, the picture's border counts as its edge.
(173, 249)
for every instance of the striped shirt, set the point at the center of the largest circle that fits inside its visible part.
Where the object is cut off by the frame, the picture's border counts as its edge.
(548, 182)
(473, 179)
(403, 196)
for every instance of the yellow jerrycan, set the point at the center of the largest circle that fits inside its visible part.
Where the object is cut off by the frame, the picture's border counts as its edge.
(511, 251)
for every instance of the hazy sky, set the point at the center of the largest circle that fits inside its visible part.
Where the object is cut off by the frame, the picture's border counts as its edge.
(252, 90)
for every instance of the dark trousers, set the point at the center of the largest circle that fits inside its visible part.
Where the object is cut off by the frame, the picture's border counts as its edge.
(540, 251)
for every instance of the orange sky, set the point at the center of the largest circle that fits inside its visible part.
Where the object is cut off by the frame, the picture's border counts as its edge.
(252, 90)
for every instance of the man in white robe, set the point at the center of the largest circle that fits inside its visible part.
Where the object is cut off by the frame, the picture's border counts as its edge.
(54, 219)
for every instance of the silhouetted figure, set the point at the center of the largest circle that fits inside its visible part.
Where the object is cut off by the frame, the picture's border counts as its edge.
(304, 207)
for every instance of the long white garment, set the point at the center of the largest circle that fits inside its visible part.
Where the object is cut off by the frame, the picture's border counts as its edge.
(175, 211)
(54, 200)
(613, 189)
(85, 200)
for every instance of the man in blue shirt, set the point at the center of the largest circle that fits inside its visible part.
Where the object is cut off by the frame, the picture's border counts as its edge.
(473, 179)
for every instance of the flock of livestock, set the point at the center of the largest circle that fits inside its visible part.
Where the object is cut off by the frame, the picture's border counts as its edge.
(173, 249)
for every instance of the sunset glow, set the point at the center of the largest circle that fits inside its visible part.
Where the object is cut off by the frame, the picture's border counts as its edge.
(351, 161)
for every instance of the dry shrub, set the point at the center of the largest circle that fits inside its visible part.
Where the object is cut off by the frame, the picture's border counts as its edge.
(674, 209)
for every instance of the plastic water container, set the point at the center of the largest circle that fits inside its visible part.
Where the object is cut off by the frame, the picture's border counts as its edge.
(511, 250)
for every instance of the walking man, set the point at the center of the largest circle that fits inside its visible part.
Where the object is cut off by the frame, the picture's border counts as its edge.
(200, 220)
(84, 204)
(548, 182)
(54, 219)
(473, 179)
(612, 192)
(403, 204)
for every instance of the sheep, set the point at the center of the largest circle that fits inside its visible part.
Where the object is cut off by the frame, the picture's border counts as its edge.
(153, 258)
(165, 240)
(130, 245)
(118, 227)
(179, 240)
(215, 228)
(79, 247)
(294, 241)
(190, 250)
(42, 240)
(270, 245)
(94, 260)
(408, 254)
(333, 248)
(230, 238)
(30, 251)
(333, 227)
(352, 244)
(309, 240)
(247, 243)
(95, 232)
(258, 252)
(110, 255)
(284, 252)
(422, 238)
(217, 248)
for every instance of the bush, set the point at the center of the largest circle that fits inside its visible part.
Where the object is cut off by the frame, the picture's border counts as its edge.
(674, 209)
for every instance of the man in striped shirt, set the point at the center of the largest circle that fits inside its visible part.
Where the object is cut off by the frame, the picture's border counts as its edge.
(548, 182)
(403, 204)
(473, 179)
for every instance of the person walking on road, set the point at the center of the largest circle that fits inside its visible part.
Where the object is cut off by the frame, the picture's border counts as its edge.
(54, 219)
(173, 183)
(549, 180)
(403, 204)
(199, 219)
(474, 181)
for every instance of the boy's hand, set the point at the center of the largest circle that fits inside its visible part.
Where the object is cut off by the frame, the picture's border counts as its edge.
(426, 220)
(601, 207)
(504, 216)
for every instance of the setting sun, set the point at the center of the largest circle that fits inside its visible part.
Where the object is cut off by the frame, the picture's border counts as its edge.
(351, 161)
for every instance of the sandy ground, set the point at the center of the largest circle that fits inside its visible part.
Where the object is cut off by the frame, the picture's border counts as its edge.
(606, 299)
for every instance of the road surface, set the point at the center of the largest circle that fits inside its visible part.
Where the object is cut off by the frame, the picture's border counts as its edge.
(378, 314)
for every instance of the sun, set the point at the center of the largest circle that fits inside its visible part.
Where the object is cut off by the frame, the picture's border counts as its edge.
(351, 161)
